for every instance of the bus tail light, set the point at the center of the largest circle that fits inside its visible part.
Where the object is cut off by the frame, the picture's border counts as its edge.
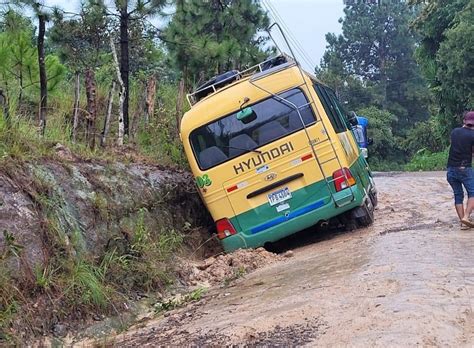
(225, 228)
(343, 179)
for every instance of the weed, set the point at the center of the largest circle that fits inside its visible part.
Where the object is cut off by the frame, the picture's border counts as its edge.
(44, 277)
(237, 273)
(141, 234)
(100, 206)
(8, 301)
(179, 300)
(84, 284)
(146, 263)
(11, 247)
(425, 160)
(168, 242)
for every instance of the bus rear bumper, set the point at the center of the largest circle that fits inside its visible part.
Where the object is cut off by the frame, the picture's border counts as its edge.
(260, 235)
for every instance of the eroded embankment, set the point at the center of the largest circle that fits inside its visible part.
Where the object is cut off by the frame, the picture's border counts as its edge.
(78, 237)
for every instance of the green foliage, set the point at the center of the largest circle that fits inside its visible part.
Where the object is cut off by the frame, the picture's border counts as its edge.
(8, 291)
(83, 284)
(44, 277)
(386, 146)
(19, 138)
(426, 135)
(145, 262)
(11, 247)
(445, 55)
(179, 300)
(371, 62)
(81, 42)
(19, 72)
(8, 301)
(207, 38)
(426, 160)
(159, 139)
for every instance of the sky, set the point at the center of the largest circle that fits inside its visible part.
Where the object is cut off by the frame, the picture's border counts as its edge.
(307, 21)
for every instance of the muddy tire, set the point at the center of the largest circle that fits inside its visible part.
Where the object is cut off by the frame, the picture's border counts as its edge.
(373, 198)
(366, 217)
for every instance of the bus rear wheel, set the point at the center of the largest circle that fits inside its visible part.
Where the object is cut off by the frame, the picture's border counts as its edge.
(364, 215)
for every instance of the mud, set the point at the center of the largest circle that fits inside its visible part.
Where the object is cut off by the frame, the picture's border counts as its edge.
(225, 268)
(407, 280)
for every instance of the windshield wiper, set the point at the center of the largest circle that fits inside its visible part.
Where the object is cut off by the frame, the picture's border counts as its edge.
(241, 148)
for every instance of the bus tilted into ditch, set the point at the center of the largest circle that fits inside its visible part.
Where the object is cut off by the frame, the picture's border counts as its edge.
(273, 153)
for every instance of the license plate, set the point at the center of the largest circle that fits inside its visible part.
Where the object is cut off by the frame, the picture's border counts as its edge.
(279, 196)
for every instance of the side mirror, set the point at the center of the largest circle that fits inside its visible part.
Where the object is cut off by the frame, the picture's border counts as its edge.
(352, 118)
(246, 115)
(370, 141)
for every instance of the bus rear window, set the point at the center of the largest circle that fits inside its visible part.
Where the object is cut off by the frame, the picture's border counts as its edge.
(228, 137)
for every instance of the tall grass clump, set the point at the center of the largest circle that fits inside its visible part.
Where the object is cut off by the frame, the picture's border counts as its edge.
(425, 160)
(145, 263)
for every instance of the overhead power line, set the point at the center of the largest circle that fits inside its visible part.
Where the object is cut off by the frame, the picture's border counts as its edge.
(299, 49)
(290, 34)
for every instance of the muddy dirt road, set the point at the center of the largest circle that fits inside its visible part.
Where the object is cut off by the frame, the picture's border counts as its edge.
(407, 280)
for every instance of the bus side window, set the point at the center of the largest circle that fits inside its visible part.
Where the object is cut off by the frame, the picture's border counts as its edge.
(339, 109)
(338, 125)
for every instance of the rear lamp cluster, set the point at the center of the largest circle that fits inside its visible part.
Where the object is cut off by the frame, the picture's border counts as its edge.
(225, 228)
(343, 179)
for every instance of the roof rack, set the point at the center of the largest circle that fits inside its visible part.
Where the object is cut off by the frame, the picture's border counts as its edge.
(269, 66)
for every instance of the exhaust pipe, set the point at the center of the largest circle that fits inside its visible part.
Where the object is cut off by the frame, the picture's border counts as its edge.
(324, 223)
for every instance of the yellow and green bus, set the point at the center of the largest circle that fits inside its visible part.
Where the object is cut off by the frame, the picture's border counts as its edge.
(273, 153)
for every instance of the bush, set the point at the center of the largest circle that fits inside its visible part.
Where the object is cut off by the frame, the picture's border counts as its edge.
(425, 135)
(386, 147)
(424, 160)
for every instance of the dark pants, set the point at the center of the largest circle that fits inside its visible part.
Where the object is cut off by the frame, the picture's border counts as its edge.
(459, 177)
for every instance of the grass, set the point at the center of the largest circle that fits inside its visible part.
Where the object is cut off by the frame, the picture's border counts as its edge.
(84, 284)
(9, 301)
(72, 280)
(157, 141)
(238, 273)
(179, 300)
(145, 263)
(75, 281)
(425, 161)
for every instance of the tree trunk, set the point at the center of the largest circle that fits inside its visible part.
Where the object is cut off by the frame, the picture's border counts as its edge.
(4, 107)
(42, 73)
(110, 103)
(124, 62)
(135, 124)
(75, 117)
(20, 82)
(91, 106)
(179, 104)
(150, 98)
(121, 94)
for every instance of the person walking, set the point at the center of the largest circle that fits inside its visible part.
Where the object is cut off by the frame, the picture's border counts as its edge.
(459, 168)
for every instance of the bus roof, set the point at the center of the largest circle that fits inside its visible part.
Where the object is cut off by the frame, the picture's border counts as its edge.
(229, 98)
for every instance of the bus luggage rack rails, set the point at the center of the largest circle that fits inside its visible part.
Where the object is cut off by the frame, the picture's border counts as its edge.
(267, 67)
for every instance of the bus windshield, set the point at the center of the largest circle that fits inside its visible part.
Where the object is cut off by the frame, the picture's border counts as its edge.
(228, 137)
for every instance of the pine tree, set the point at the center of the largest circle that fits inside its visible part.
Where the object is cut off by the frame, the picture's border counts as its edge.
(82, 42)
(129, 11)
(376, 52)
(207, 38)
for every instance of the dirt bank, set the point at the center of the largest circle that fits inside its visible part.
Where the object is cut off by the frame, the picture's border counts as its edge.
(407, 280)
(77, 236)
